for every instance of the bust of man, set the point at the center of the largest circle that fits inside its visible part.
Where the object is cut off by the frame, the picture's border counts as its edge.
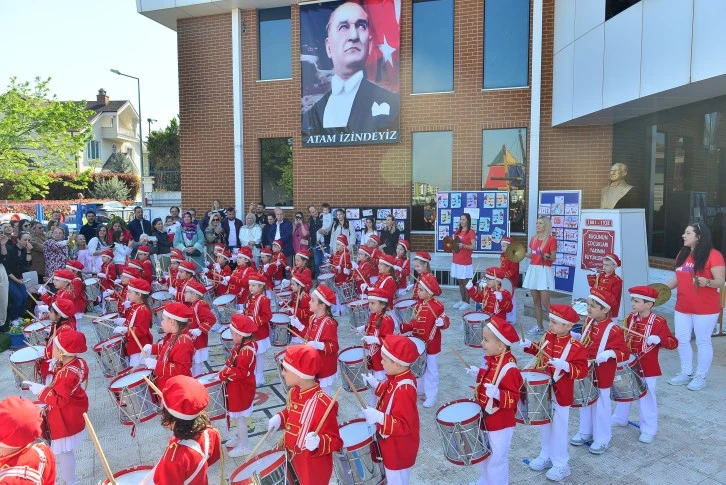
(617, 189)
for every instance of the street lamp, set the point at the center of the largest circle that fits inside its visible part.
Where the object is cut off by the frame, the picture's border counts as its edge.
(150, 120)
(141, 134)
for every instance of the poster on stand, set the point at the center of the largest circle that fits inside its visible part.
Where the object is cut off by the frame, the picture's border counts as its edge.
(489, 212)
(563, 209)
(357, 216)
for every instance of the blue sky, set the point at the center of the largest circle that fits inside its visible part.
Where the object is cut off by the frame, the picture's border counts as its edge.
(77, 42)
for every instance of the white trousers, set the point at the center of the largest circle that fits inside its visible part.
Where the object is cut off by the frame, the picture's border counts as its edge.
(595, 419)
(259, 368)
(429, 383)
(647, 409)
(67, 462)
(398, 477)
(495, 469)
(554, 436)
(685, 325)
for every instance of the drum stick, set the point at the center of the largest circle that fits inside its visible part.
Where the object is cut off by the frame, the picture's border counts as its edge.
(352, 388)
(20, 374)
(99, 450)
(463, 361)
(31, 315)
(32, 297)
(297, 335)
(153, 387)
(100, 322)
(499, 368)
(625, 329)
(257, 446)
(330, 408)
(521, 329)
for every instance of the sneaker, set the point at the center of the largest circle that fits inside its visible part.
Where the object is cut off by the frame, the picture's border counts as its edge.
(456, 305)
(540, 463)
(698, 383)
(616, 422)
(465, 306)
(239, 451)
(429, 402)
(232, 443)
(680, 379)
(599, 448)
(216, 327)
(646, 438)
(535, 331)
(558, 473)
(580, 439)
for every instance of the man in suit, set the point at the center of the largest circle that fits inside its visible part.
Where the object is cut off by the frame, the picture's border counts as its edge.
(353, 104)
(231, 227)
(282, 230)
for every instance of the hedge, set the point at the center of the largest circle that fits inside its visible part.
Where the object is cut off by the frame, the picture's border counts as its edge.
(49, 206)
(58, 191)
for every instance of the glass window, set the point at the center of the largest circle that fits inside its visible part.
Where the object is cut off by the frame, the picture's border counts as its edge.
(431, 172)
(93, 150)
(503, 168)
(276, 160)
(506, 43)
(614, 7)
(275, 43)
(433, 46)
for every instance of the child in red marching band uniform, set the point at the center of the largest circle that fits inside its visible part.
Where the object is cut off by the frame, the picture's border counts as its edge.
(422, 266)
(267, 270)
(300, 305)
(258, 308)
(302, 264)
(373, 241)
(134, 264)
(201, 322)
(607, 280)
(238, 284)
(497, 391)
(511, 272)
(107, 274)
(22, 460)
(386, 281)
(311, 452)
(494, 299)
(127, 275)
(428, 322)
(363, 269)
(184, 276)
(61, 315)
(341, 264)
(395, 414)
(147, 267)
(62, 280)
(404, 265)
(603, 339)
(379, 326)
(222, 272)
(564, 359)
(138, 320)
(278, 261)
(239, 374)
(66, 400)
(176, 257)
(79, 292)
(195, 445)
(322, 335)
(645, 334)
(175, 350)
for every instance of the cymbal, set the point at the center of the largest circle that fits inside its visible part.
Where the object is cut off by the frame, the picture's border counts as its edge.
(448, 244)
(457, 243)
(664, 293)
(515, 252)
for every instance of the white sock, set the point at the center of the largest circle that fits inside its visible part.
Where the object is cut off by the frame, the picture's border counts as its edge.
(67, 462)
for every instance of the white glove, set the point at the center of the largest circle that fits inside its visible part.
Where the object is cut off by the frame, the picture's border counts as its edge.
(126, 304)
(363, 287)
(264, 268)
(117, 281)
(217, 267)
(524, 343)
(205, 271)
(43, 308)
(101, 275)
(147, 349)
(42, 290)
(316, 345)
(373, 416)
(339, 268)
(107, 293)
(287, 268)
(653, 340)
(207, 264)
(63, 243)
(278, 263)
(354, 265)
(52, 363)
(409, 287)
(274, 423)
(604, 356)
(326, 255)
(295, 322)
(472, 370)
(498, 294)
(312, 441)
(370, 379)
(361, 329)
(195, 332)
(120, 329)
(150, 363)
(225, 280)
(370, 340)
(440, 322)
(492, 391)
(346, 271)
(560, 364)
(469, 285)
(34, 387)
(172, 291)
(576, 336)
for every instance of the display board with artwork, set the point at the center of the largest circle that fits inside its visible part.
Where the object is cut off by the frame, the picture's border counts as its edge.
(563, 208)
(489, 212)
(357, 216)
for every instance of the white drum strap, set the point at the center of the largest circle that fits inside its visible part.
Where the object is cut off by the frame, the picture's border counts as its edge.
(604, 340)
(321, 326)
(490, 408)
(306, 417)
(648, 329)
(133, 318)
(193, 445)
(33, 476)
(393, 393)
(565, 352)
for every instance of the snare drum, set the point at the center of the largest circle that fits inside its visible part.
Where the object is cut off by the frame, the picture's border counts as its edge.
(283, 299)
(474, 323)
(585, 391)
(27, 360)
(111, 356)
(279, 326)
(269, 468)
(227, 341)
(419, 367)
(460, 427)
(132, 396)
(92, 290)
(217, 390)
(37, 333)
(157, 286)
(352, 363)
(356, 463)
(104, 331)
(404, 310)
(131, 476)
(111, 304)
(209, 295)
(224, 307)
(327, 279)
(278, 363)
(346, 292)
(628, 384)
(535, 399)
(359, 312)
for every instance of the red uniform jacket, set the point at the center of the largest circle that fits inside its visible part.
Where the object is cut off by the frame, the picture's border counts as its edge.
(268, 270)
(511, 270)
(363, 274)
(303, 312)
(147, 270)
(399, 435)
(387, 283)
(32, 465)
(48, 353)
(564, 385)
(203, 319)
(510, 383)
(181, 285)
(648, 354)
(182, 457)
(239, 372)
(239, 282)
(279, 262)
(386, 328)
(174, 357)
(592, 334)
(173, 274)
(325, 329)
(341, 260)
(301, 416)
(374, 260)
(423, 325)
(258, 307)
(302, 272)
(109, 269)
(79, 295)
(121, 298)
(404, 273)
(138, 321)
(608, 282)
(66, 399)
(488, 299)
(219, 287)
(415, 288)
(49, 299)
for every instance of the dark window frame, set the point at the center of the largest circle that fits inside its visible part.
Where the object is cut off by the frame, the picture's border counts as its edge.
(529, 49)
(272, 14)
(453, 49)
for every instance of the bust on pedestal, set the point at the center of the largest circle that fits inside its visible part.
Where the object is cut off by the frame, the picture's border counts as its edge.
(618, 194)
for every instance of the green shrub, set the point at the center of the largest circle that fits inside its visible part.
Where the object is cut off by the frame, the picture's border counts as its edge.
(112, 189)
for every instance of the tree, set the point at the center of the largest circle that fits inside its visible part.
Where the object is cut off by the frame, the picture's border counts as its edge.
(276, 156)
(39, 136)
(163, 146)
(119, 163)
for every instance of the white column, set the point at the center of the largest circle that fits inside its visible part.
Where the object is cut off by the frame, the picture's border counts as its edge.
(237, 102)
(534, 120)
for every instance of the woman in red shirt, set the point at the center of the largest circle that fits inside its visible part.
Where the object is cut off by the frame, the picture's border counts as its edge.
(700, 271)
(540, 278)
(461, 263)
